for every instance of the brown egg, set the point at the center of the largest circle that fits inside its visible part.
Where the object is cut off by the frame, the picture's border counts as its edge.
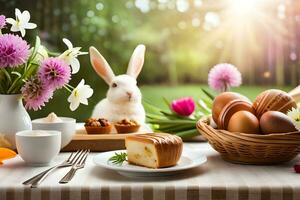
(276, 100)
(222, 99)
(276, 122)
(230, 109)
(243, 122)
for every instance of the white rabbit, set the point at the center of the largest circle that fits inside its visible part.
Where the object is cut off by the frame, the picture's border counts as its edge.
(123, 99)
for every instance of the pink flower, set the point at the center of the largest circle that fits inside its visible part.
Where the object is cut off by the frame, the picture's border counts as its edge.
(54, 72)
(184, 106)
(14, 51)
(2, 21)
(36, 93)
(223, 76)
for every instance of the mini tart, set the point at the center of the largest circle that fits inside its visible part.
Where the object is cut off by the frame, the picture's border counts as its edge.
(126, 126)
(93, 126)
(154, 150)
(98, 129)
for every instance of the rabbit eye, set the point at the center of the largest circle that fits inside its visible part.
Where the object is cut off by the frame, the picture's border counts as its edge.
(114, 85)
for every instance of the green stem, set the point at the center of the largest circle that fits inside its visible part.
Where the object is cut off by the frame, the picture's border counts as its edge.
(67, 89)
(19, 82)
(6, 74)
(2, 91)
(11, 88)
(70, 86)
(50, 53)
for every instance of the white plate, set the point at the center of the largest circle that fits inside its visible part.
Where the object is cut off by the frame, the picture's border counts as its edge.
(187, 161)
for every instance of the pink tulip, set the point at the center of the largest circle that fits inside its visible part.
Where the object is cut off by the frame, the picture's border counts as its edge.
(184, 106)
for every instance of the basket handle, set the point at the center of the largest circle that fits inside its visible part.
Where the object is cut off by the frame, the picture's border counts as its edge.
(295, 93)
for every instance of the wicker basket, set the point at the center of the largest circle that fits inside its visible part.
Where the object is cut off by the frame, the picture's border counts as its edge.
(251, 148)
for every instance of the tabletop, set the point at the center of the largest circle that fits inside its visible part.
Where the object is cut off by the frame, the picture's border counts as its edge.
(216, 179)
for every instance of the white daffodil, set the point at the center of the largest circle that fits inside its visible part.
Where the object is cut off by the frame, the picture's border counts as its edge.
(294, 114)
(80, 95)
(21, 23)
(70, 56)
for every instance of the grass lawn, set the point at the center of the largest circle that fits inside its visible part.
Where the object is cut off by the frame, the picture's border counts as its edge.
(154, 94)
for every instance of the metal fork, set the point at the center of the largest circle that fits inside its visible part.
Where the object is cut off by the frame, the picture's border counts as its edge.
(73, 160)
(68, 162)
(79, 164)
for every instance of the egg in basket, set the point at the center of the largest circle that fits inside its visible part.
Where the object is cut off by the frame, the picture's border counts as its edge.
(253, 133)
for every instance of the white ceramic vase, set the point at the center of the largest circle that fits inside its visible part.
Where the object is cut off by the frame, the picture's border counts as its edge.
(13, 117)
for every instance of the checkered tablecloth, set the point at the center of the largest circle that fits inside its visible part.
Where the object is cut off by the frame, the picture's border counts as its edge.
(216, 179)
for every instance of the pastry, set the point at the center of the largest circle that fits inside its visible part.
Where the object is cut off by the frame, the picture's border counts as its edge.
(153, 150)
(127, 126)
(97, 126)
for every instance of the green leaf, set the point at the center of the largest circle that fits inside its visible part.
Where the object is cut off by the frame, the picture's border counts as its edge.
(176, 128)
(208, 102)
(167, 102)
(118, 158)
(208, 94)
(202, 105)
(188, 134)
(151, 116)
(170, 115)
(151, 107)
(166, 121)
(199, 114)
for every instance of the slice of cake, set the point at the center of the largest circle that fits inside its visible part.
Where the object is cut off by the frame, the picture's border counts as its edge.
(153, 150)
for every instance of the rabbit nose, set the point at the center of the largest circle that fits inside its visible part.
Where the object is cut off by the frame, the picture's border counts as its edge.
(129, 94)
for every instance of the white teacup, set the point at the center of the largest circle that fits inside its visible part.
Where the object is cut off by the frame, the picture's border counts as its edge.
(67, 128)
(38, 147)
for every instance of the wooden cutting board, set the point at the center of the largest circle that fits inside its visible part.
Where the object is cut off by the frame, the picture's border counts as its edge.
(99, 142)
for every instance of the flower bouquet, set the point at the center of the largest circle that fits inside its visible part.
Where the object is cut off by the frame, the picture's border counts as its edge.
(33, 71)
(182, 116)
(184, 113)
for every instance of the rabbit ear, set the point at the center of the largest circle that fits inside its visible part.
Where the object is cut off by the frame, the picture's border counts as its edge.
(136, 61)
(101, 66)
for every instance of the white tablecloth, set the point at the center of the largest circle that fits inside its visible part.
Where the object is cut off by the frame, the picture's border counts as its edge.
(216, 179)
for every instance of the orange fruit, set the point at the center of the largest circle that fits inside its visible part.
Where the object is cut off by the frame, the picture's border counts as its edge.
(5, 154)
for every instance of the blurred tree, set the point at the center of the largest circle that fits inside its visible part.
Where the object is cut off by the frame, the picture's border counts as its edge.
(184, 38)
